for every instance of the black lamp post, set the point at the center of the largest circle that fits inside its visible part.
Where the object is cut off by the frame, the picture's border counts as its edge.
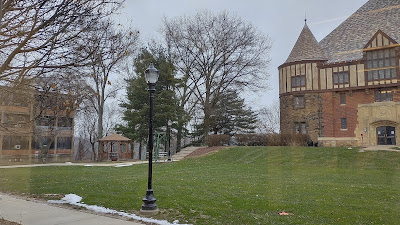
(151, 75)
(169, 140)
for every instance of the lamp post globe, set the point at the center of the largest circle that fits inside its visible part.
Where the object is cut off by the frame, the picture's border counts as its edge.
(151, 75)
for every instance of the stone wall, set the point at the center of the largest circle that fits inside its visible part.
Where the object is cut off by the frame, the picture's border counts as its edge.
(311, 114)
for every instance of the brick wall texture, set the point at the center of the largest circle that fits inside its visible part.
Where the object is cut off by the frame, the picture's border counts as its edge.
(323, 112)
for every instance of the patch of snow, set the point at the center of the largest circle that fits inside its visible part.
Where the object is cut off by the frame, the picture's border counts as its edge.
(68, 162)
(88, 165)
(123, 165)
(350, 148)
(74, 199)
(361, 150)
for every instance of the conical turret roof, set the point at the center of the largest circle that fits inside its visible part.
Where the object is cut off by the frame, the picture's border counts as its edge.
(306, 48)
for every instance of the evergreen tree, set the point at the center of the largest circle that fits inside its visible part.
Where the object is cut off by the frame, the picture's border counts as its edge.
(231, 116)
(136, 109)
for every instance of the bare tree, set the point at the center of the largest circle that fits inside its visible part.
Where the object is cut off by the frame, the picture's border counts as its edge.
(40, 36)
(54, 104)
(217, 52)
(269, 118)
(108, 49)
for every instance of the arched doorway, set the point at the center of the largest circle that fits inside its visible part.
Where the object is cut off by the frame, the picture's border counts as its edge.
(386, 135)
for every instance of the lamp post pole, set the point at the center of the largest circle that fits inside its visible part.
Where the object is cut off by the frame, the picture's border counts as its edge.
(149, 202)
(169, 140)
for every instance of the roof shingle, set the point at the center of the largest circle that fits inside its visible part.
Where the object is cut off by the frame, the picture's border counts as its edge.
(346, 42)
(306, 48)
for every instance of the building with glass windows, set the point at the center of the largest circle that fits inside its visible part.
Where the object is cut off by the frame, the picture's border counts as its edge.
(30, 125)
(345, 89)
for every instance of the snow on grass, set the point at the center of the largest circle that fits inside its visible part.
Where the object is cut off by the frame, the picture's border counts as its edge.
(74, 199)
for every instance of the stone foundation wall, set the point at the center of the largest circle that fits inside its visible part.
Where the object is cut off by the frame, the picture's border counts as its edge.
(310, 114)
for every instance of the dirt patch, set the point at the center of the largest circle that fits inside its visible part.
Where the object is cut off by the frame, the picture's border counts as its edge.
(205, 151)
(6, 222)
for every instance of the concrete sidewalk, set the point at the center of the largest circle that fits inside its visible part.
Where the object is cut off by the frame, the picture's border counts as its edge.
(390, 148)
(39, 213)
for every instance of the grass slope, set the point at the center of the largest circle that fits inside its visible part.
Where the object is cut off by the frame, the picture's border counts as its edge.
(242, 185)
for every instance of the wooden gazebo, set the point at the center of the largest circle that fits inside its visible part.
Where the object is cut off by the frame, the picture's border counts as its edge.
(115, 147)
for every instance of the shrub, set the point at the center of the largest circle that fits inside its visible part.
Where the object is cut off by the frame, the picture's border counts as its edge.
(300, 140)
(274, 139)
(251, 139)
(288, 139)
(217, 140)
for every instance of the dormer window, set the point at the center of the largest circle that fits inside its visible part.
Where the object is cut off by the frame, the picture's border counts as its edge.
(381, 64)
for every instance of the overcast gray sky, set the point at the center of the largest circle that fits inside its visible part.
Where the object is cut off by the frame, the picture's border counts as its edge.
(281, 20)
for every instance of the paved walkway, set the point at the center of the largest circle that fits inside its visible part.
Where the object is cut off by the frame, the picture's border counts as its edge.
(184, 152)
(390, 148)
(177, 157)
(38, 213)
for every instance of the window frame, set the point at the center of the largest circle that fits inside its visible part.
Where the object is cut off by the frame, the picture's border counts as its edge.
(372, 64)
(299, 106)
(302, 81)
(299, 127)
(388, 96)
(343, 123)
(342, 98)
(345, 75)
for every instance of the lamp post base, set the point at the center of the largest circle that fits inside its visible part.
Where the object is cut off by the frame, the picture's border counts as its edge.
(149, 202)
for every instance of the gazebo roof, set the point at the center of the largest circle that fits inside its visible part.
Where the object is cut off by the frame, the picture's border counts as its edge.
(115, 137)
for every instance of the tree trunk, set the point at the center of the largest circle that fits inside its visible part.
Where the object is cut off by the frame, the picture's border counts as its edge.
(206, 121)
(100, 125)
(179, 137)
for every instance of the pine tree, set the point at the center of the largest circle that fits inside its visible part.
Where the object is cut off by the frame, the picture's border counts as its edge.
(136, 113)
(231, 116)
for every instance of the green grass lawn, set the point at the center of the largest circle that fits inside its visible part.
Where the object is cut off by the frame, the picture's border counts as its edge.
(242, 185)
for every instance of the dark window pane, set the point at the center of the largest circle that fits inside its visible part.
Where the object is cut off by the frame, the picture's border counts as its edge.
(387, 72)
(343, 123)
(381, 74)
(64, 143)
(389, 96)
(336, 79)
(303, 128)
(392, 62)
(342, 98)
(387, 53)
(380, 54)
(387, 63)
(393, 72)
(392, 53)
(377, 96)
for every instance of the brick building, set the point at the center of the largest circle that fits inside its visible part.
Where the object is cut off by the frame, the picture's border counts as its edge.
(26, 129)
(345, 89)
